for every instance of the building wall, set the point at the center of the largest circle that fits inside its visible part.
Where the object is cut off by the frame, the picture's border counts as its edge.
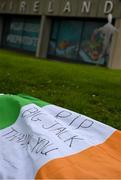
(46, 10)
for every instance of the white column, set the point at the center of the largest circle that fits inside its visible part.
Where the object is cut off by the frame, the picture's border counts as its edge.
(43, 39)
(115, 54)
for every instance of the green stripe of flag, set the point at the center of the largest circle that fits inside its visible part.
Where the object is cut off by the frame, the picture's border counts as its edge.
(10, 106)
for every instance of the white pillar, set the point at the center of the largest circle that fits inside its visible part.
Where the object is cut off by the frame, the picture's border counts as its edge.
(43, 39)
(115, 55)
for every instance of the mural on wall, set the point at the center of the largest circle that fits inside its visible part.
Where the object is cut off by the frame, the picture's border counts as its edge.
(91, 49)
(92, 44)
(23, 34)
(67, 39)
(77, 40)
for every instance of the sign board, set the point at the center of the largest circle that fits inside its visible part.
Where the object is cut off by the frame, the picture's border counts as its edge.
(81, 8)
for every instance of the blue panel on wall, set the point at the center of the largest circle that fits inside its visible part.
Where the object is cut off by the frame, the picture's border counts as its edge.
(14, 35)
(23, 34)
(30, 35)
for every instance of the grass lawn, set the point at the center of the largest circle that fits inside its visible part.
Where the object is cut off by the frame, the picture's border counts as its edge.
(93, 91)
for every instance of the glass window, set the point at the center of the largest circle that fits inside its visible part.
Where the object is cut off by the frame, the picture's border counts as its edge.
(53, 39)
(30, 35)
(91, 44)
(76, 40)
(14, 35)
(65, 39)
(22, 33)
(69, 39)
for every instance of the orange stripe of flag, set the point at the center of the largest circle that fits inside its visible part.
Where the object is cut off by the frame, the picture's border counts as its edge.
(98, 162)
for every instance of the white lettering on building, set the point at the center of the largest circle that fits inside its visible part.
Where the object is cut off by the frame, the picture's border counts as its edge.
(23, 6)
(86, 7)
(36, 6)
(29, 41)
(2, 5)
(67, 7)
(15, 26)
(50, 7)
(108, 8)
(25, 40)
(15, 39)
(11, 6)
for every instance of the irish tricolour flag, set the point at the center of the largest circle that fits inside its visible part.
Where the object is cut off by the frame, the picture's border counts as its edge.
(43, 141)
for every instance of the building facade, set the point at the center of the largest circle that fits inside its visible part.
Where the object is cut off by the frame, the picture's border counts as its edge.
(61, 29)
